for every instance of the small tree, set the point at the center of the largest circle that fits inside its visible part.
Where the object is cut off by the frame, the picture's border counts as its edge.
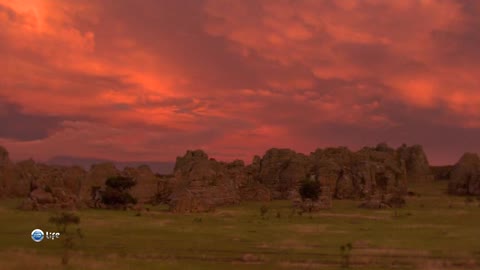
(63, 222)
(263, 211)
(310, 189)
(346, 253)
(116, 193)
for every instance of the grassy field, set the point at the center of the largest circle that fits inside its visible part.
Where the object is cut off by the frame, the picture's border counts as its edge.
(434, 231)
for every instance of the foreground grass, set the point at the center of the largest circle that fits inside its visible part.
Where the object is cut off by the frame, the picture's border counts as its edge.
(434, 231)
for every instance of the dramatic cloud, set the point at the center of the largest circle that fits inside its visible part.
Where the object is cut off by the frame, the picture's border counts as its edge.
(148, 80)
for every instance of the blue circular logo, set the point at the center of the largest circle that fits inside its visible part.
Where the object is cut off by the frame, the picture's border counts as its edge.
(37, 235)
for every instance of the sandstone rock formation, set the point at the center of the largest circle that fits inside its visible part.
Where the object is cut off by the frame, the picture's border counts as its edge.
(55, 198)
(6, 172)
(96, 178)
(201, 183)
(281, 171)
(18, 180)
(24, 179)
(465, 176)
(359, 174)
(68, 178)
(146, 183)
(278, 174)
(416, 162)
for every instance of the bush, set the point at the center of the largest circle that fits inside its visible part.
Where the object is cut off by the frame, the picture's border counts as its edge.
(117, 197)
(116, 193)
(263, 210)
(63, 221)
(396, 201)
(310, 189)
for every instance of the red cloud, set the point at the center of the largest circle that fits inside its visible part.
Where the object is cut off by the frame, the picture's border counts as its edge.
(391, 41)
(129, 80)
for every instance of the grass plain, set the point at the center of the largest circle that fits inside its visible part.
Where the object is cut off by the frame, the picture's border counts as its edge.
(434, 231)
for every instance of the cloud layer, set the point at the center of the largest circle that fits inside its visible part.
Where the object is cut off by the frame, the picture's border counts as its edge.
(146, 81)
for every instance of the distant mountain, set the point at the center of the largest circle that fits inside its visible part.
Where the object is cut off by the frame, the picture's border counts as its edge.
(157, 167)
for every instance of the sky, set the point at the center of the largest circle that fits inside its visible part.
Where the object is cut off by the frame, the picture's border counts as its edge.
(147, 80)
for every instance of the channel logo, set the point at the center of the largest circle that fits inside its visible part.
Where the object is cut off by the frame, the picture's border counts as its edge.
(37, 235)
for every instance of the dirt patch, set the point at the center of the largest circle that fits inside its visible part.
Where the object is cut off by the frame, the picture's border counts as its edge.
(441, 264)
(226, 213)
(309, 228)
(303, 265)
(356, 216)
(292, 243)
(392, 251)
(426, 226)
(162, 222)
(96, 222)
(26, 259)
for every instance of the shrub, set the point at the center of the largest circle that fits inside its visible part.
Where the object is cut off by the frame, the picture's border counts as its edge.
(310, 189)
(116, 193)
(263, 210)
(116, 197)
(63, 221)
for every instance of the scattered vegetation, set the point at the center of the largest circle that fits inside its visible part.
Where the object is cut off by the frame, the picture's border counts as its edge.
(432, 237)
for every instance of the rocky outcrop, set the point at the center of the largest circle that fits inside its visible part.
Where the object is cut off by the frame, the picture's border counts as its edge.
(6, 173)
(52, 198)
(18, 180)
(416, 163)
(201, 183)
(68, 178)
(281, 171)
(351, 175)
(96, 177)
(185, 201)
(465, 176)
(24, 179)
(340, 172)
(146, 183)
(388, 170)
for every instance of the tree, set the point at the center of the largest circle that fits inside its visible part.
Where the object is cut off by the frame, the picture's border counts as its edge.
(63, 221)
(310, 189)
(116, 192)
(120, 183)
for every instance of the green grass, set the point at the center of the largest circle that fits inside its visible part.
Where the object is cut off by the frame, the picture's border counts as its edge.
(434, 231)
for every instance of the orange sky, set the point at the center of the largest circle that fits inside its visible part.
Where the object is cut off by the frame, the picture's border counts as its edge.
(147, 80)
